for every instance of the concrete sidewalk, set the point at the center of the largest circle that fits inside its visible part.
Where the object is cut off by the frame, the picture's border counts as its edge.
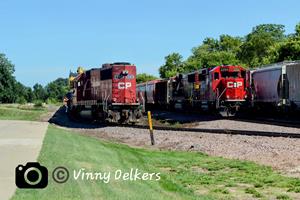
(20, 142)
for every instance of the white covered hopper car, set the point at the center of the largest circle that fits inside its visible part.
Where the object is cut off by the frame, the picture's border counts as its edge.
(277, 85)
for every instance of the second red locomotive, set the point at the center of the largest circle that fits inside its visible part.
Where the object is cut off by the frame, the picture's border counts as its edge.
(222, 88)
(109, 92)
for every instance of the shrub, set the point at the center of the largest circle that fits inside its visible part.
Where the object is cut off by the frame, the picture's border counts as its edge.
(38, 104)
(51, 101)
(21, 100)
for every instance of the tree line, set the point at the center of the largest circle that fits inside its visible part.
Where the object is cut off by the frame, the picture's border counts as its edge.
(265, 44)
(12, 91)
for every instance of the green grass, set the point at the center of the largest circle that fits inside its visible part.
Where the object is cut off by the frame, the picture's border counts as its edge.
(184, 175)
(283, 197)
(254, 192)
(20, 112)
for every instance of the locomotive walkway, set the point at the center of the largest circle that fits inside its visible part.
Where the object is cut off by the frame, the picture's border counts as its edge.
(20, 142)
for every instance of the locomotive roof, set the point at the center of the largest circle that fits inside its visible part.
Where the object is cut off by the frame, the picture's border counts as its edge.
(211, 68)
(228, 66)
(275, 66)
(106, 65)
(109, 65)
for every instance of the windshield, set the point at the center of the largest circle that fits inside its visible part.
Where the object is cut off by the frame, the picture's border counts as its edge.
(230, 74)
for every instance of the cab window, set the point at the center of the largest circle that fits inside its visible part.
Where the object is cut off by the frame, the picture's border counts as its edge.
(230, 74)
(216, 76)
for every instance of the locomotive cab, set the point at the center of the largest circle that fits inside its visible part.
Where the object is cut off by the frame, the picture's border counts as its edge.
(109, 93)
(229, 88)
(123, 84)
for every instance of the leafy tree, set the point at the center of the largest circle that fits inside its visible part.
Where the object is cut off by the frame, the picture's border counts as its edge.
(215, 52)
(57, 89)
(211, 44)
(29, 94)
(39, 92)
(7, 80)
(262, 44)
(140, 78)
(276, 31)
(297, 29)
(173, 65)
(290, 50)
(23, 94)
(230, 44)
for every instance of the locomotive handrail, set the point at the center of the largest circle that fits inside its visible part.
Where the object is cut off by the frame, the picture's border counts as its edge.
(105, 103)
(84, 87)
(144, 109)
(218, 97)
(222, 93)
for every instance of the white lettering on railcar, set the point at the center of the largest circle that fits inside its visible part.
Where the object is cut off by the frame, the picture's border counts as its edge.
(122, 85)
(231, 84)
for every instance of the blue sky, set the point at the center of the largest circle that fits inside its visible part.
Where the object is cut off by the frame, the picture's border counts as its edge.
(47, 39)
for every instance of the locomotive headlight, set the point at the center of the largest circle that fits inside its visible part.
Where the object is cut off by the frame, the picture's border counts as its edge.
(124, 72)
(114, 99)
(227, 96)
(246, 96)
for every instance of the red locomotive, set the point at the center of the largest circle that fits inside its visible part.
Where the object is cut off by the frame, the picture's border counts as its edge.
(108, 92)
(228, 88)
(222, 88)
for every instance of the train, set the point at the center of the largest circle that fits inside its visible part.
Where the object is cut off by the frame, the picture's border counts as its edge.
(221, 88)
(109, 93)
(228, 89)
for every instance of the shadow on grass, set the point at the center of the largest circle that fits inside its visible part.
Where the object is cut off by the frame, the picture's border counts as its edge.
(61, 118)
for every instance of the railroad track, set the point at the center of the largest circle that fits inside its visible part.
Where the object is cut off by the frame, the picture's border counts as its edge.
(269, 121)
(218, 131)
(63, 120)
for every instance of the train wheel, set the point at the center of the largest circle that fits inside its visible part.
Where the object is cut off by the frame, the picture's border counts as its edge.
(227, 112)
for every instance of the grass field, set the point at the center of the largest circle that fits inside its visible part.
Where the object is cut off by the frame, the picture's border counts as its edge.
(17, 112)
(184, 175)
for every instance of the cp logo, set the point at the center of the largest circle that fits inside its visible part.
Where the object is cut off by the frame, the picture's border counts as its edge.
(122, 85)
(234, 84)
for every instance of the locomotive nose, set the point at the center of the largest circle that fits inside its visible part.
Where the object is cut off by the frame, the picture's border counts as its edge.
(234, 89)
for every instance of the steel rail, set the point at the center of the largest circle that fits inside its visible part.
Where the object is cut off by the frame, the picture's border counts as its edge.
(217, 131)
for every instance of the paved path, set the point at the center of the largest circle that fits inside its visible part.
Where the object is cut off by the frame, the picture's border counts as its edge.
(20, 142)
